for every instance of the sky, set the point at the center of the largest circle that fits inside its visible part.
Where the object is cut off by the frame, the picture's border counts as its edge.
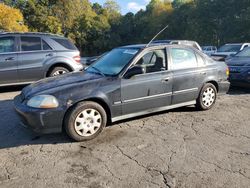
(128, 5)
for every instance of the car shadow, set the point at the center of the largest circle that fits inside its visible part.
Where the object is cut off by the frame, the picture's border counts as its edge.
(12, 134)
(234, 90)
(6, 89)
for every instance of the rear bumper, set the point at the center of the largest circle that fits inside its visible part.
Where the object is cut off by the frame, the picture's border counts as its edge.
(39, 120)
(223, 87)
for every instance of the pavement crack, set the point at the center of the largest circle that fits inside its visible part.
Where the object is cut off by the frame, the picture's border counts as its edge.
(146, 168)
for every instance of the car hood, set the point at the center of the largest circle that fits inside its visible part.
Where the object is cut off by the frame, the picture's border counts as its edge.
(223, 53)
(55, 82)
(238, 61)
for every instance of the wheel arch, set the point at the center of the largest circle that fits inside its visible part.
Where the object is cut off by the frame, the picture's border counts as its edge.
(96, 100)
(215, 83)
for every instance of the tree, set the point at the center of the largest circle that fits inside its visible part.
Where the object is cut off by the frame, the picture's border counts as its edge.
(11, 19)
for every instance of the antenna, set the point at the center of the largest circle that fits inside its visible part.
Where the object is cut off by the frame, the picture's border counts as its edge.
(156, 35)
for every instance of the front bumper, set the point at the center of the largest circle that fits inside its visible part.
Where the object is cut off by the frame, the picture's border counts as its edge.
(223, 87)
(39, 120)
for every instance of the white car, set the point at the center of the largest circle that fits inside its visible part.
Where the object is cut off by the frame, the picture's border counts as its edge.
(209, 50)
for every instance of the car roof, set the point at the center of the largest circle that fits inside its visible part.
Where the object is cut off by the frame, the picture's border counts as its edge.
(31, 33)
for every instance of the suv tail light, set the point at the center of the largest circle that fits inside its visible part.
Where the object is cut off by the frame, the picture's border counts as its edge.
(77, 59)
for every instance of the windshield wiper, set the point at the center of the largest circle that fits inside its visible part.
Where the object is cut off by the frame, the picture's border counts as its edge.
(100, 72)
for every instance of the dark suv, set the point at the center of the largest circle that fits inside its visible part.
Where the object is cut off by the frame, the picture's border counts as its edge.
(28, 57)
(127, 82)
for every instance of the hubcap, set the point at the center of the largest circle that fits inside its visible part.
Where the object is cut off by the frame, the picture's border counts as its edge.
(59, 72)
(88, 122)
(208, 97)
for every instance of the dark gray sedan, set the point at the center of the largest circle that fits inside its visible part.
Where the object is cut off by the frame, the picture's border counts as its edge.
(127, 82)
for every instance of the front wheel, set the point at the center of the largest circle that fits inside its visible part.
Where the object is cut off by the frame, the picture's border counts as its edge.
(85, 121)
(207, 97)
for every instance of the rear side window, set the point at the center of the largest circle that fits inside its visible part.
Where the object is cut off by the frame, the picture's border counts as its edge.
(31, 44)
(46, 46)
(65, 43)
(7, 44)
(183, 58)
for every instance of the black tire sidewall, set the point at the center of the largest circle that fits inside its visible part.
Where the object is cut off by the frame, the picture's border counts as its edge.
(73, 113)
(200, 104)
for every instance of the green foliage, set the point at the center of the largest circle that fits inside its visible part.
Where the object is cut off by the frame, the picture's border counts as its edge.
(96, 29)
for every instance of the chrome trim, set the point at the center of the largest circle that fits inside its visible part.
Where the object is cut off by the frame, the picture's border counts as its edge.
(127, 116)
(117, 103)
(147, 97)
(185, 90)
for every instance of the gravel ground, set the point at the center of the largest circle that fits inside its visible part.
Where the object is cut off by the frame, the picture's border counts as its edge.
(178, 148)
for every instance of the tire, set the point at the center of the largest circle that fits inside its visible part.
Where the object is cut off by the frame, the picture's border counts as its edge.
(85, 121)
(57, 71)
(207, 97)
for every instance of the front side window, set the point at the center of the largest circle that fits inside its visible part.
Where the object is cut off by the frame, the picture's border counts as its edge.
(113, 62)
(7, 44)
(31, 44)
(153, 61)
(183, 58)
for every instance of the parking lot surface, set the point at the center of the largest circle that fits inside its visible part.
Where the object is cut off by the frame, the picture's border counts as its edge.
(177, 148)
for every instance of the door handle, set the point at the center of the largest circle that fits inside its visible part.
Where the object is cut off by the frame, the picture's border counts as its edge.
(165, 79)
(9, 59)
(49, 55)
(203, 73)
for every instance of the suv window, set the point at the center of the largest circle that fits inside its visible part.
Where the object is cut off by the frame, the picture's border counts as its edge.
(65, 43)
(183, 58)
(7, 44)
(31, 44)
(153, 61)
(46, 46)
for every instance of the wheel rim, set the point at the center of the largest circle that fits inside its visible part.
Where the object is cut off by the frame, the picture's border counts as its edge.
(59, 72)
(88, 122)
(208, 97)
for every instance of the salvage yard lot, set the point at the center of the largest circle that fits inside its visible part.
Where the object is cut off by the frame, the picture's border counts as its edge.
(178, 148)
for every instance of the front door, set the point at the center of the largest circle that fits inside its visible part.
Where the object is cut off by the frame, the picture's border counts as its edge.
(8, 60)
(149, 90)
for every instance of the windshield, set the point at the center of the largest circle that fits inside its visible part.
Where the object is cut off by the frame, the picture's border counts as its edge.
(244, 53)
(230, 48)
(113, 62)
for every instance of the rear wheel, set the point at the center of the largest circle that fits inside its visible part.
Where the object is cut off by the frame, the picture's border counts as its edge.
(57, 71)
(85, 121)
(207, 97)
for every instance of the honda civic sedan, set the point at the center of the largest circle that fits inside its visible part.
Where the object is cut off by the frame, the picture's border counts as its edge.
(127, 82)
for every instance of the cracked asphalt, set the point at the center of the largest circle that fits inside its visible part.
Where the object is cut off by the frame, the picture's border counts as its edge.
(177, 148)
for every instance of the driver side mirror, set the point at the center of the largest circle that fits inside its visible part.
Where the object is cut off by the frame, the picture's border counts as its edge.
(135, 70)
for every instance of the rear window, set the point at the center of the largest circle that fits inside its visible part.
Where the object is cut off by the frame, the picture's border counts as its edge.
(65, 43)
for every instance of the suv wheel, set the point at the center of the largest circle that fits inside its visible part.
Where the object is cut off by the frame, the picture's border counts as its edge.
(207, 97)
(85, 121)
(57, 71)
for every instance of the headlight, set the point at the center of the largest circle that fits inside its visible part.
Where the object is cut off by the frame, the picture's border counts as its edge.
(43, 101)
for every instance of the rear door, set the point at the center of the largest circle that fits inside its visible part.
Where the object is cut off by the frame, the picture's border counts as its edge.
(34, 51)
(188, 75)
(151, 89)
(8, 60)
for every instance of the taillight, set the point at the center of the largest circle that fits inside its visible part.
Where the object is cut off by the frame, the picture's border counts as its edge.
(77, 59)
(227, 71)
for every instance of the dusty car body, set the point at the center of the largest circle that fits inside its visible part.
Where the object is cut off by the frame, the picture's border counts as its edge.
(127, 82)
